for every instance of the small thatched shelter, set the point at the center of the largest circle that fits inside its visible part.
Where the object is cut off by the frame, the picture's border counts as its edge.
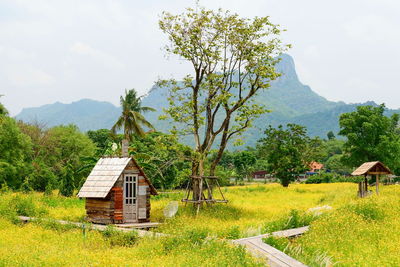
(117, 191)
(376, 168)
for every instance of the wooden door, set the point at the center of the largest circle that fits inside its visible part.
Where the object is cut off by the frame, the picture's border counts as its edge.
(130, 192)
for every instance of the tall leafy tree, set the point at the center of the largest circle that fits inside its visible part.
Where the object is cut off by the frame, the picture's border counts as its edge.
(284, 150)
(244, 162)
(132, 119)
(15, 153)
(232, 59)
(370, 136)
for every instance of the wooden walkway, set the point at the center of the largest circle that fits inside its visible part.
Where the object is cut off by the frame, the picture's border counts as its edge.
(273, 256)
(138, 225)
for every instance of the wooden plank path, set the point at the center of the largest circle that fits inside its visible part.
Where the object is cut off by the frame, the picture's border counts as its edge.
(99, 227)
(273, 256)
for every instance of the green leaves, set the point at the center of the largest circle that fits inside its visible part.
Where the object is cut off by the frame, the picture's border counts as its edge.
(232, 58)
(284, 150)
(371, 136)
(131, 118)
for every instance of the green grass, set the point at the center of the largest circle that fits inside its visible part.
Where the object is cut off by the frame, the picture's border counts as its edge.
(361, 232)
(194, 239)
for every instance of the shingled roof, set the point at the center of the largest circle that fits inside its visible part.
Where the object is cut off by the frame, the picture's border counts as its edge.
(373, 166)
(104, 175)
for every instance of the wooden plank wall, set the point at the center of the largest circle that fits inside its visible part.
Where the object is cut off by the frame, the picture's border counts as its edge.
(100, 210)
(118, 204)
(143, 201)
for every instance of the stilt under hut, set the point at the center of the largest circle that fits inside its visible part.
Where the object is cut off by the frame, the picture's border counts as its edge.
(374, 168)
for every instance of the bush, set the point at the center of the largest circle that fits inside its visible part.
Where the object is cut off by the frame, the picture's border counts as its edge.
(329, 177)
(119, 238)
(233, 232)
(368, 210)
(279, 243)
(24, 206)
(294, 219)
(67, 182)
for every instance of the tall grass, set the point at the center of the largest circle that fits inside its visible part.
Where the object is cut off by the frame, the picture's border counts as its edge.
(193, 239)
(361, 232)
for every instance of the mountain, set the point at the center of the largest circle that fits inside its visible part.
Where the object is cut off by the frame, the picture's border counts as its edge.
(288, 99)
(87, 114)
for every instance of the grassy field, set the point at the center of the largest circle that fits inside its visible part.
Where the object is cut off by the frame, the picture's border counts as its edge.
(361, 232)
(251, 210)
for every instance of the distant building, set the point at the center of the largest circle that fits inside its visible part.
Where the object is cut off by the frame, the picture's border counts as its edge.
(260, 174)
(315, 166)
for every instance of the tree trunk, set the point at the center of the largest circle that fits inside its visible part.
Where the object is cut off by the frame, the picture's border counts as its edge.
(222, 146)
(197, 170)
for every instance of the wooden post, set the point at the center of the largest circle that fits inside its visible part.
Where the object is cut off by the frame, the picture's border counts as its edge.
(366, 184)
(201, 194)
(377, 184)
(360, 188)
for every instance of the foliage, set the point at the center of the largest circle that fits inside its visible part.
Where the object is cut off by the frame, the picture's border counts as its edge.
(3, 110)
(69, 146)
(371, 136)
(244, 162)
(284, 150)
(232, 59)
(103, 139)
(67, 182)
(331, 135)
(329, 177)
(163, 158)
(51, 150)
(336, 164)
(118, 238)
(131, 118)
(15, 153)
(294, 219)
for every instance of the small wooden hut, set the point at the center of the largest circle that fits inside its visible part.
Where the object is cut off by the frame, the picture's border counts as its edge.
(370, 168)
(117, 191)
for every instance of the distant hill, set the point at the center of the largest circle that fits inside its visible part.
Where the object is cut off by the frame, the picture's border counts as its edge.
(87, 114)
(289, 100)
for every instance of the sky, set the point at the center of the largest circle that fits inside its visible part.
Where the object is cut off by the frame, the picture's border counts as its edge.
(346, 50)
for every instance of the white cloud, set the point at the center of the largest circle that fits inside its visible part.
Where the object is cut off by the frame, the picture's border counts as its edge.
(27, 76)
(106, 59)
(371, 28)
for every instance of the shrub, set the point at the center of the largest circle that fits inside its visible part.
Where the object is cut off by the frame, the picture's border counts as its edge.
(329, 177)
(119, 238)
(321, 178)
(294, 219)
(279, 243)
(233, 232)
(67, 182)
(368, 210)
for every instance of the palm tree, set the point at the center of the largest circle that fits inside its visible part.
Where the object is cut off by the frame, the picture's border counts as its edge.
(131, 118)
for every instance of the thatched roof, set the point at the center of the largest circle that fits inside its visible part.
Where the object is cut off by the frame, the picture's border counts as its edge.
(104, 175)
(373, 167)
